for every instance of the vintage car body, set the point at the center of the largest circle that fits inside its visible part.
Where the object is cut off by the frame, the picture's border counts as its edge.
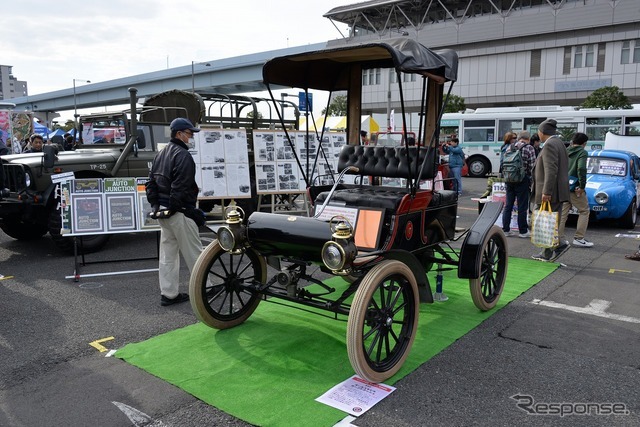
(382, 240)
(613, 185)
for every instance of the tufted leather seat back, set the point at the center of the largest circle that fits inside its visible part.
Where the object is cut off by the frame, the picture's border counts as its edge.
(388, 162)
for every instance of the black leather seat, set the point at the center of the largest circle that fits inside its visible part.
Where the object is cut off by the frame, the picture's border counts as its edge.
(371, 197)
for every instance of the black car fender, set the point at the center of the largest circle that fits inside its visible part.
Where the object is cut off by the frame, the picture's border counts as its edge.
(470, 253)
(424, 290)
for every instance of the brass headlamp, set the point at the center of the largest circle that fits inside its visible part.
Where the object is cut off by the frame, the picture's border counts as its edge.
(232, 235)
(338, 254)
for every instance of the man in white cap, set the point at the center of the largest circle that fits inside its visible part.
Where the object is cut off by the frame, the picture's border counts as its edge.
(551, 180)
(172, 192)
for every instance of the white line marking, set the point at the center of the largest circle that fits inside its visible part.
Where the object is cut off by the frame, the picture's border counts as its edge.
(345, 421)
(138, 418)
(594, 308)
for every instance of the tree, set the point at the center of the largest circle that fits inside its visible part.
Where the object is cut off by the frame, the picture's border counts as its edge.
(607, 98)
(455, 103)
(337, 106)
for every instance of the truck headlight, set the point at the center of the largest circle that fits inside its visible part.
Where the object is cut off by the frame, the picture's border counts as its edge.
(338, 254)
(232, 235)
(601, 197)
(27, 179)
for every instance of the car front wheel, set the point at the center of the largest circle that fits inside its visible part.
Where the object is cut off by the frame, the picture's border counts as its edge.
(630, 216)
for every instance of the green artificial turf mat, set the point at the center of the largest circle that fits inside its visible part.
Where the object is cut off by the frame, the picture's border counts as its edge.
(269, 370)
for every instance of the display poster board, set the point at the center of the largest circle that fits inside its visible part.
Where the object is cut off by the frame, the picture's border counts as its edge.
(144, 207)
(104, 206)
(120, 201)
(277, 170)
(222, 163)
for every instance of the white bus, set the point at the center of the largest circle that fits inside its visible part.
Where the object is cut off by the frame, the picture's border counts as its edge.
(481, 132)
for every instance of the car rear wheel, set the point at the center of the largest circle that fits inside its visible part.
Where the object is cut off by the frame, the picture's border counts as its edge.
(486, 289)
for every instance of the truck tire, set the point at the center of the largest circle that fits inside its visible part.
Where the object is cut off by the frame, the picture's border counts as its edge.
(19, 230)
(91, 243)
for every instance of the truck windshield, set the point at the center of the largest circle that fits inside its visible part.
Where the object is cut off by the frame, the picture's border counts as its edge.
(104, 132)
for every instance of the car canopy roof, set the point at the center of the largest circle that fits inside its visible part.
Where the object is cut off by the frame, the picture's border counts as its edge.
(328, 69)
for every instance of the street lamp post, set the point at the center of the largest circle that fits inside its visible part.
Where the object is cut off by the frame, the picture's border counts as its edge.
(75, 104)
(193, 63)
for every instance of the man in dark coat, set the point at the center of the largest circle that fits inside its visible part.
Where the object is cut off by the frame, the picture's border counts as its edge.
(551, 180)
(172, 192)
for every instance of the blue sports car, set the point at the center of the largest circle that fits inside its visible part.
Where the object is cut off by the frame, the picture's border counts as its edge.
(613, 185)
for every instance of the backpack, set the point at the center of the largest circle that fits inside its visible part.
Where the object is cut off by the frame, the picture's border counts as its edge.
(513, 170)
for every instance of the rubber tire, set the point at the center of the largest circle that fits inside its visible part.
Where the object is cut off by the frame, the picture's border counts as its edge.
(487, 288)
(630, 216)
(90, 243)
(23, 231)
(202, 271)
(362, 313)
(486, 167)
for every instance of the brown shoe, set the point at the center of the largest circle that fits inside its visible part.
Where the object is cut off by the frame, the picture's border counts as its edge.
(633, 257)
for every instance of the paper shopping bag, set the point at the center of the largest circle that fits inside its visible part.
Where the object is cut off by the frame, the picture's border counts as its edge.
(544, 227)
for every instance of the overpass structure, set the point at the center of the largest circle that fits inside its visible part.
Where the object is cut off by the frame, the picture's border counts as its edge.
(234, 75)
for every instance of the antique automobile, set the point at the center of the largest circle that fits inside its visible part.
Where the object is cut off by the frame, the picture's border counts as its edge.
(382, 240)
(613, 186)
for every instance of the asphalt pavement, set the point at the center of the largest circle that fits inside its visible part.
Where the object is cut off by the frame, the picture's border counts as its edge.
(569, 345)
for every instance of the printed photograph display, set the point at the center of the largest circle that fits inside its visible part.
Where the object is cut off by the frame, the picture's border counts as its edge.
(276, 168)
(222, 163)
(87, 213)
(144, 208)
(121, 210)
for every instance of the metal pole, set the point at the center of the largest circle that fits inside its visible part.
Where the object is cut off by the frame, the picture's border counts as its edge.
(75, 105)
(193, 86)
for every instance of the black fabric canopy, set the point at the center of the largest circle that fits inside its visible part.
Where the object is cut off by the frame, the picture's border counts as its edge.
(328, 69)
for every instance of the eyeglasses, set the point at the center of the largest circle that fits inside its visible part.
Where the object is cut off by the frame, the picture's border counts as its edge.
(188, 133)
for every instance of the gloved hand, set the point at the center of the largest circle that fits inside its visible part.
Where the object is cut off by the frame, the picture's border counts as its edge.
(154, 212)
(197, 215)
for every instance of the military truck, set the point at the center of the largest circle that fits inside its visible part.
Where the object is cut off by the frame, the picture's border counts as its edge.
(120, 144)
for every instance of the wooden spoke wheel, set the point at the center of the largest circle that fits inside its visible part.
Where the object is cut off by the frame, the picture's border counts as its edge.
(486, 289)
(383, 321)
(217, 289)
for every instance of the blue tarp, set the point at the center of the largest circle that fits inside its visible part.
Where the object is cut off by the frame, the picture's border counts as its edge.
(56, 132)
(40, 129)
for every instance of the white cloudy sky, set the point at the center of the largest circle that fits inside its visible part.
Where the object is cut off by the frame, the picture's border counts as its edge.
(49, 43)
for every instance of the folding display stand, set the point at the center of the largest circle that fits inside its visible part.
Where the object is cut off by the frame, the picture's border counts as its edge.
(79, 260)
(286, 203)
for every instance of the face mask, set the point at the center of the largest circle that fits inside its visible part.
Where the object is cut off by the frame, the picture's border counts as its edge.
(191, 143)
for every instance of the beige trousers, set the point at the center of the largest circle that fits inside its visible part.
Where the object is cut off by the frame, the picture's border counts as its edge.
(178, 235)
(582, 205)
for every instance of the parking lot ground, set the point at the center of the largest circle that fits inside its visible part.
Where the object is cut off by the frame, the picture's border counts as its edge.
(583, 348)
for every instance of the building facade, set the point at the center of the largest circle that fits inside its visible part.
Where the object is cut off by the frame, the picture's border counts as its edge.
(10, 87)
(511, 52)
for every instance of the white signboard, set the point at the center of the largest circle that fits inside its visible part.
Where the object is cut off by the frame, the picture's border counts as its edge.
(277, 170)
(222, 163)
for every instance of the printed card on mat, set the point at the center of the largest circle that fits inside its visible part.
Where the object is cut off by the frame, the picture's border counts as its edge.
(355, 395)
